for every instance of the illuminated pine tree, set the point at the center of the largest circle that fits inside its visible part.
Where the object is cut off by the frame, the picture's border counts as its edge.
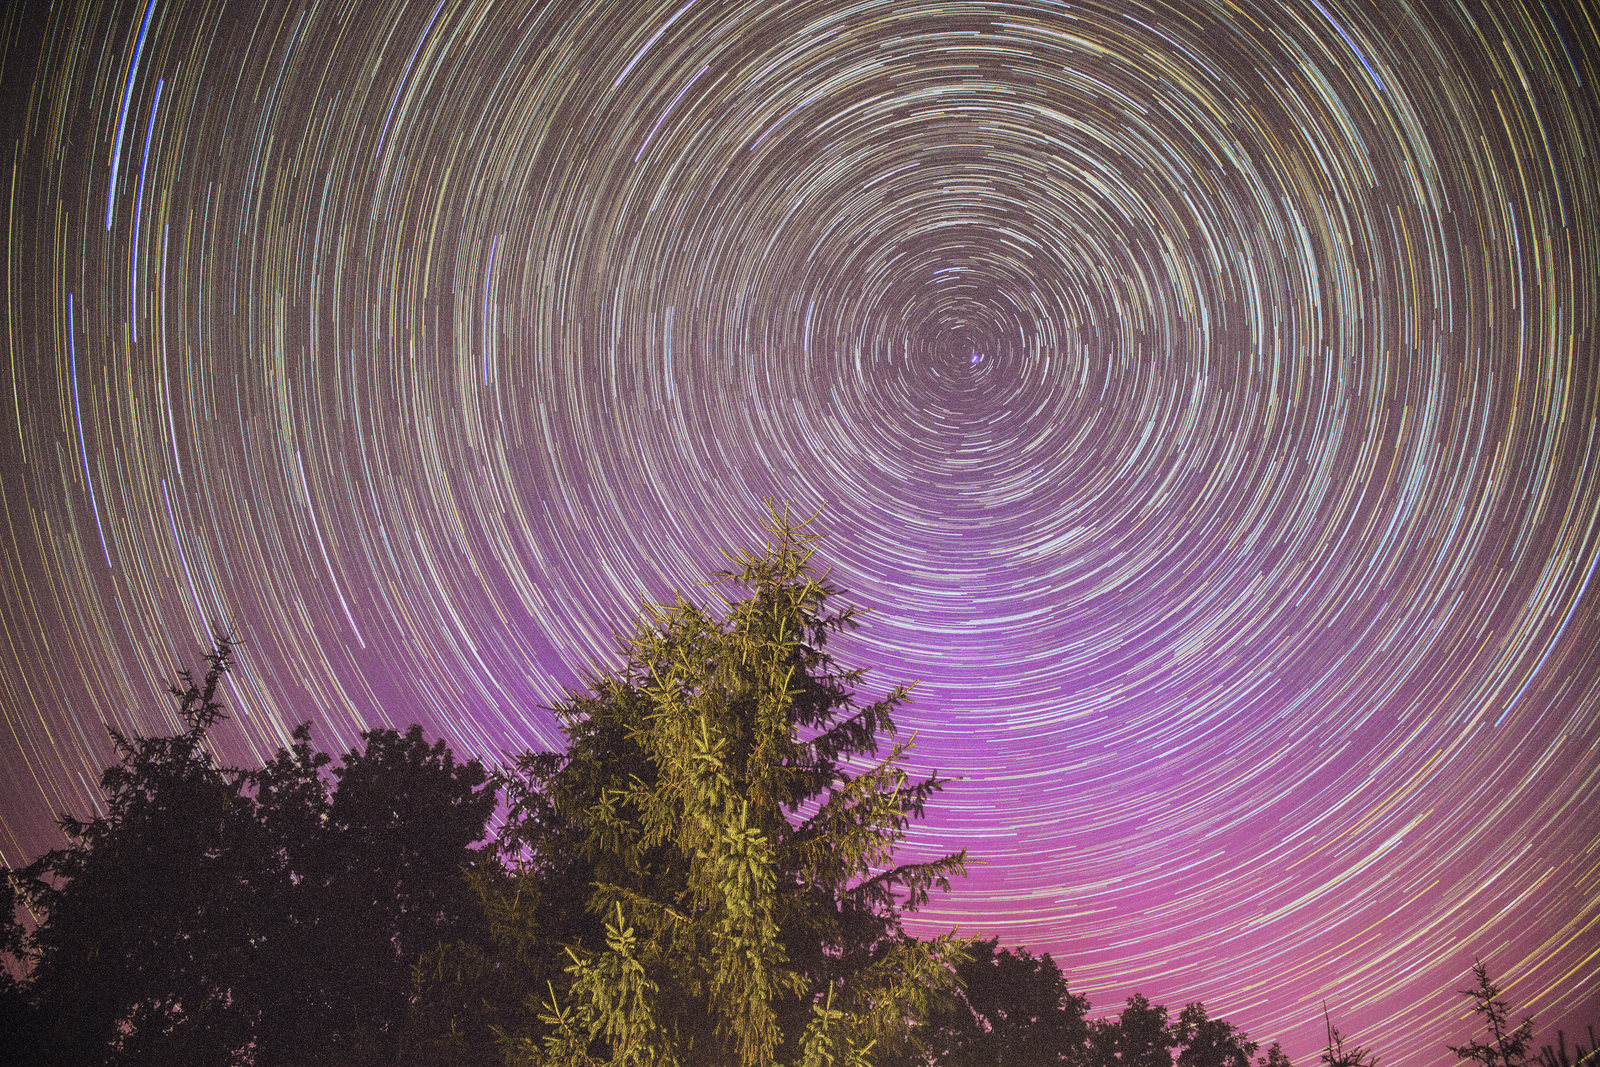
(745, 878)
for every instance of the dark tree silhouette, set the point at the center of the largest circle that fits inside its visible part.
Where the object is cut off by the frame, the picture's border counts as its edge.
(1556, 1055)
(1336, 1055)
(218, 916)
(1144, 1035)
(1013, 1010)
(147, 916)
(14, 1013)
(531, 886)
(1506, 1047)
(1211, 1042)
(1139, 1037)
(402, 820)
(1275, 1057)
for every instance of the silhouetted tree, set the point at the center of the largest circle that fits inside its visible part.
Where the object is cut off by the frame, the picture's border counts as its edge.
(147, 916)
(219, 916)
(16, 1016)
(387, 887)
(1275, 1057)
(1336, 1055)
(1211, 1042)
(1139, 1037)
(532, 886)
(744, 879)
(1506, 1047)
(1551, 1056)
(1144, 1035)
(1013, 1010)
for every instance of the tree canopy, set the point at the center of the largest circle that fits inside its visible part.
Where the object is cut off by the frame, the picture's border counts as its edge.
(742, 874)
(215, 915)
(708, 874)
(1013, 1010)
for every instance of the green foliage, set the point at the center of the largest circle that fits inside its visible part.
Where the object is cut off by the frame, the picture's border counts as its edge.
(830, 1041)
(1506, 1047)
(706, 876)
(746, 876)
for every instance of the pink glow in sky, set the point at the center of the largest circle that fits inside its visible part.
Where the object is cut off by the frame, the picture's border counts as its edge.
(1249, 574)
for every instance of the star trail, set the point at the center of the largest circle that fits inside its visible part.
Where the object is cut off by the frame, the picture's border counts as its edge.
(1201, 396)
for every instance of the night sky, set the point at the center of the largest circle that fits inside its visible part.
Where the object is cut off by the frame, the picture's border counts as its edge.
(1202, 397)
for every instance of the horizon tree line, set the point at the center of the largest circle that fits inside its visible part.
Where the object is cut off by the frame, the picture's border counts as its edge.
(700, 878)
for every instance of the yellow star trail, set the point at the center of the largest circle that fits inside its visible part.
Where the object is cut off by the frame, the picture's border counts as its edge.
(1203, 397)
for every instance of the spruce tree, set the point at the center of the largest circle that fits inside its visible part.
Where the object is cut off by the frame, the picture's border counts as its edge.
(739, 878)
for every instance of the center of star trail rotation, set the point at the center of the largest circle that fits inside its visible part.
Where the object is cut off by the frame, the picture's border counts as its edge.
(1202, 397)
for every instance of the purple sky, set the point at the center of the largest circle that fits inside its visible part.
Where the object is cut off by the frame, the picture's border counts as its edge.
(1248, 576)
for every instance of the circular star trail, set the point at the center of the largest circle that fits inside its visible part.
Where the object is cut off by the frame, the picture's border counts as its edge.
(1202, 396)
